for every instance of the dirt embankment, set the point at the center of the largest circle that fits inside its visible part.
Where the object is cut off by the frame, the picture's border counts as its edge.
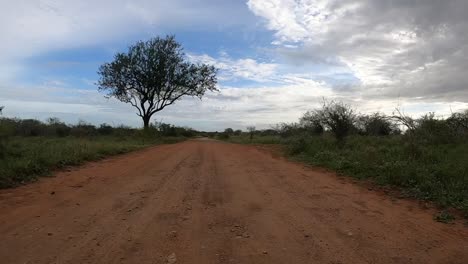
(213, 202)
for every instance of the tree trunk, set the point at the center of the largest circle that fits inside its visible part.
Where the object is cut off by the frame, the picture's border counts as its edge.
(146, 121)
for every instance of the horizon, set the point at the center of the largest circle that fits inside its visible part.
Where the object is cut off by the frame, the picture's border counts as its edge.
(277, 59)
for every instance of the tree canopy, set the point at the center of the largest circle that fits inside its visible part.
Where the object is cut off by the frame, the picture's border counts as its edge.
(154, 74)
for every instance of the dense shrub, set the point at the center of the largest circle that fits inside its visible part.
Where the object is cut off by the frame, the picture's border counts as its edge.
(168, 130)
(286, 130)
(458, 123)
(223, 136)
(229, 131)
(337, 117)
(105, 129)
(376, 125)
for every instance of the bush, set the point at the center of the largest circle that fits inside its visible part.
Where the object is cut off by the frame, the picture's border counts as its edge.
(105, 129)
(83, 129)
(458, 123)
(223, 136)
(286, 130)
(57, 128)
(337, 117)
(376, 125)
(168, 130)
(430, 130)
(297, 145)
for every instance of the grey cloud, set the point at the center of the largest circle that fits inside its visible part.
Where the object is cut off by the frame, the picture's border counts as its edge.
(399, 48)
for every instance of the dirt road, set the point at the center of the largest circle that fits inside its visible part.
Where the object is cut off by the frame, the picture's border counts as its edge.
(212, 202)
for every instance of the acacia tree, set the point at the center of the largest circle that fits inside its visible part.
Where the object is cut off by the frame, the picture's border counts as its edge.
(154, 74)
(336, 117)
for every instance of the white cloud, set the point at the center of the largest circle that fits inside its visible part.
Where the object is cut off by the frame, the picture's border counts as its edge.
(232, 69)
(33, 27)
(232, 107)
(395, 48)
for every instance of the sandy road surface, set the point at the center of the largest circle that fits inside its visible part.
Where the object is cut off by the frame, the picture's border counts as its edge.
(213, 202)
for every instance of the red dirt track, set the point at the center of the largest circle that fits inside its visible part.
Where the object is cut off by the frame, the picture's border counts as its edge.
(203, 201)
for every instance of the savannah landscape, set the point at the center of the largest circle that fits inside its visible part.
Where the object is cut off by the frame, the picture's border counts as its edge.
(335, 184)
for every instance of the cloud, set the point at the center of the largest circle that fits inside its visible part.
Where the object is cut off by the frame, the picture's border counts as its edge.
(395, 48)
(235, 69)
(375, 55)
(236, 107)
(34, 27)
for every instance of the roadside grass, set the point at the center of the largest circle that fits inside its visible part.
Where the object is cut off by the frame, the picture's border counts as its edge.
(444, 217)
(245, 139)
(437, 173)
(24, 159)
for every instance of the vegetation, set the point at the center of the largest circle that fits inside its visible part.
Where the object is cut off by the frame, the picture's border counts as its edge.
(30, 148)
(155, 74)
(425, 157)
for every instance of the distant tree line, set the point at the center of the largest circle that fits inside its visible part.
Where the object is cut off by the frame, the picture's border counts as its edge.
(340, 120)
(54, 127)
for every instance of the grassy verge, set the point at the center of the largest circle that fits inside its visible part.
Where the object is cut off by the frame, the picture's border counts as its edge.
(24, 159)
(438, 173)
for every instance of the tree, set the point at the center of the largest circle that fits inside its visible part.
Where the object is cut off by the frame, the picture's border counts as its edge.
(229, 131)
(154, 74)
(336, 117)
(251, 130)
(1, 109)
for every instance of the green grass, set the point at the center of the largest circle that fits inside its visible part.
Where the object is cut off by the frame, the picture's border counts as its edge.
(245, 139)
(24, 159)
(438, 173)
(444, 217)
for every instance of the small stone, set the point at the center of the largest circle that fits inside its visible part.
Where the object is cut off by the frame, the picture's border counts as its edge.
(350, 234)
(265, 252)
(173, 233)
(171, 259)
(52, 193)
(245, 235)
(49, 234)
(306, 235)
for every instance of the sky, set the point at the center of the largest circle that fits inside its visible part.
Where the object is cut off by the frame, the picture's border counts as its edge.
(276, 58)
